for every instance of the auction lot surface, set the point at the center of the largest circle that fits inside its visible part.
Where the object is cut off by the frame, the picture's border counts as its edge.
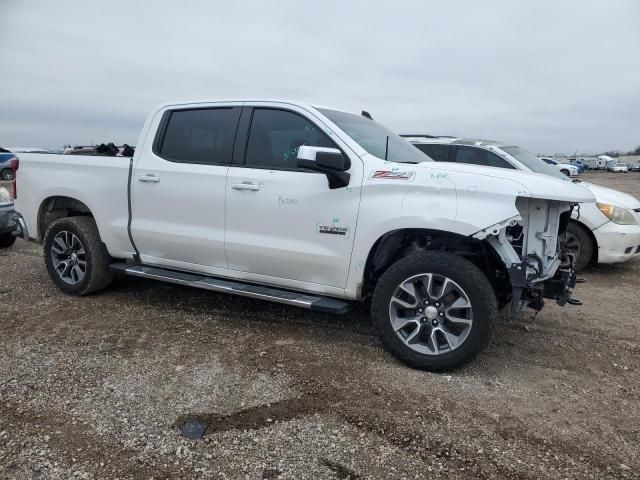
(95, 387)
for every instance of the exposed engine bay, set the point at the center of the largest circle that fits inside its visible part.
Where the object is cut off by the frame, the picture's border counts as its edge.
(532, 247)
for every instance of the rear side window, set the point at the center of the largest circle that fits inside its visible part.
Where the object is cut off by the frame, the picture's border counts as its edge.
(276, 135)
(200, 136)
(480, 156)
(440, 153)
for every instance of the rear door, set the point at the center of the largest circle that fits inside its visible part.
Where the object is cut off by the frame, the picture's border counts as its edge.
(178, 188)
(282, 221)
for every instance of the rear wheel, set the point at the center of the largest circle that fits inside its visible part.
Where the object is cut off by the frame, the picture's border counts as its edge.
(6, 240)
(7, 174)
(434, 310)
(566, 172)
(76, 258)
(579, 243)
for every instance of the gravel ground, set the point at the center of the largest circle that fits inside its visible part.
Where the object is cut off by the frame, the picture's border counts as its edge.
(99, 386)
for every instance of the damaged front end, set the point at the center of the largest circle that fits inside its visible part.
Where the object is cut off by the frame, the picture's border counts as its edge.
(531, 245)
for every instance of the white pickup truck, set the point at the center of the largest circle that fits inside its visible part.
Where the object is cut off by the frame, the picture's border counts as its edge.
(312, 207)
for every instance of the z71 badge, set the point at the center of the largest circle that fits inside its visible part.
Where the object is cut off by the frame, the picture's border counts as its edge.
(393, 174)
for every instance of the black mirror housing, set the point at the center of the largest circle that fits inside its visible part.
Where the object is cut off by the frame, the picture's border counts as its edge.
(333, 161)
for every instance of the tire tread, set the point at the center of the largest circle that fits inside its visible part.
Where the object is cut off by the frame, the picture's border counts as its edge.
(100, 277)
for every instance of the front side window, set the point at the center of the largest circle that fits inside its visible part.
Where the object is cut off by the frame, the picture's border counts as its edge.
(276, 135)
(377, 140)
(480, 156)
(200, 136)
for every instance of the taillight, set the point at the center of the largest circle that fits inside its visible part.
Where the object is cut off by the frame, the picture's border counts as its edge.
(14, 163)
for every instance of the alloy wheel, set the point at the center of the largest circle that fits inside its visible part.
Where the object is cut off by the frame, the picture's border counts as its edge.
(431, 314)
(69, 257)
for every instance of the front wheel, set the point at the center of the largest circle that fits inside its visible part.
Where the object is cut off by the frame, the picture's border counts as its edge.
(434, 310)
(76, 258)
(566, 172)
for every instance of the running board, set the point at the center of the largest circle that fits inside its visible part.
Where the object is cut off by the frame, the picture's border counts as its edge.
(311, 302)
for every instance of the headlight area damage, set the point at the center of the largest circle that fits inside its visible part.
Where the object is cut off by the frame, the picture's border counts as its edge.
(531, 245)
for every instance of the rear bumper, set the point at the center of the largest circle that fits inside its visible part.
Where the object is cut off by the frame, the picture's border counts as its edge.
(617, 243)
(12, 222)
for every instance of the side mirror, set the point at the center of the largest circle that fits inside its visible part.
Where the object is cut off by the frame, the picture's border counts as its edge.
(329, 161)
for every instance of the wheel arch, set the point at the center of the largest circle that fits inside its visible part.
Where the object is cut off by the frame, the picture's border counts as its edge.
(396, 244)
(59, 206)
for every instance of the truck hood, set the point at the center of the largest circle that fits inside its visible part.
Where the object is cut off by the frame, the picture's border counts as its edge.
(612, 197)
(534, 185)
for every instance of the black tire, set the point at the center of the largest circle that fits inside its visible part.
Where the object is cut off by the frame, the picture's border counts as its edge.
(7, 174)
(566, 172)
(584, 242)
(469, 277)
(97, 275)
(6, 240)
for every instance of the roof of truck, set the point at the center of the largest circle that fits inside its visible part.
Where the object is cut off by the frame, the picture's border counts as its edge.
(251, 100)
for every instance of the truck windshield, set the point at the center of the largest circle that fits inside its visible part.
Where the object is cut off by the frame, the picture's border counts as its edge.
(373, 138)
(533, 163)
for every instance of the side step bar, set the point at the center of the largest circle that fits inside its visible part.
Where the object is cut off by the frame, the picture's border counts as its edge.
(311, 302)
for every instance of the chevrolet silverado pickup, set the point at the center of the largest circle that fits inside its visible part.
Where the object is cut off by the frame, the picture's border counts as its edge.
(312, 207)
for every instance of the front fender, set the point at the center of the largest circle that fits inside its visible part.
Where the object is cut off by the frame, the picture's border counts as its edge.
(430, 199)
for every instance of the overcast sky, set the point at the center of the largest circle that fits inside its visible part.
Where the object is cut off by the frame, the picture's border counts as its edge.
(552, 76)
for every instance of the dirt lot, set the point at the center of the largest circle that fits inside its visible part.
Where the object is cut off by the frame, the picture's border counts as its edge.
(97, 387)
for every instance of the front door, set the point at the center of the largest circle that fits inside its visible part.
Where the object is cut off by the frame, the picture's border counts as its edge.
(178, 189)
(282, 221)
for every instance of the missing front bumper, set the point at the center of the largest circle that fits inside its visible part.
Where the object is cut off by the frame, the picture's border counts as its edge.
(531, 294)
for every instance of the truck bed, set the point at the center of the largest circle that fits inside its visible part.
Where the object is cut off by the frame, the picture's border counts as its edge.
(101, 183)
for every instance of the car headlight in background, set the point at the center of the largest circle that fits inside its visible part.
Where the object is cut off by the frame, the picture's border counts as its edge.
(5, 196)
(618, 215)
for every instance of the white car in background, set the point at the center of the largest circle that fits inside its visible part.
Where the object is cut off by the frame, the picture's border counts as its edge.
(607, 231)
(564, 168)
(618, 167)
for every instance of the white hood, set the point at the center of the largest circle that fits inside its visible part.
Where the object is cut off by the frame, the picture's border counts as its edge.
(612, 197)
(534, 185)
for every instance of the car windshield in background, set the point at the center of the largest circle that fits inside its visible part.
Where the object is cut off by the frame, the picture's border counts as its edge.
(373, 138)
(532, 162)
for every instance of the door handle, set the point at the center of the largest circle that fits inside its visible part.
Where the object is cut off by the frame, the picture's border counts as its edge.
(148, 179)
(246, 186)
